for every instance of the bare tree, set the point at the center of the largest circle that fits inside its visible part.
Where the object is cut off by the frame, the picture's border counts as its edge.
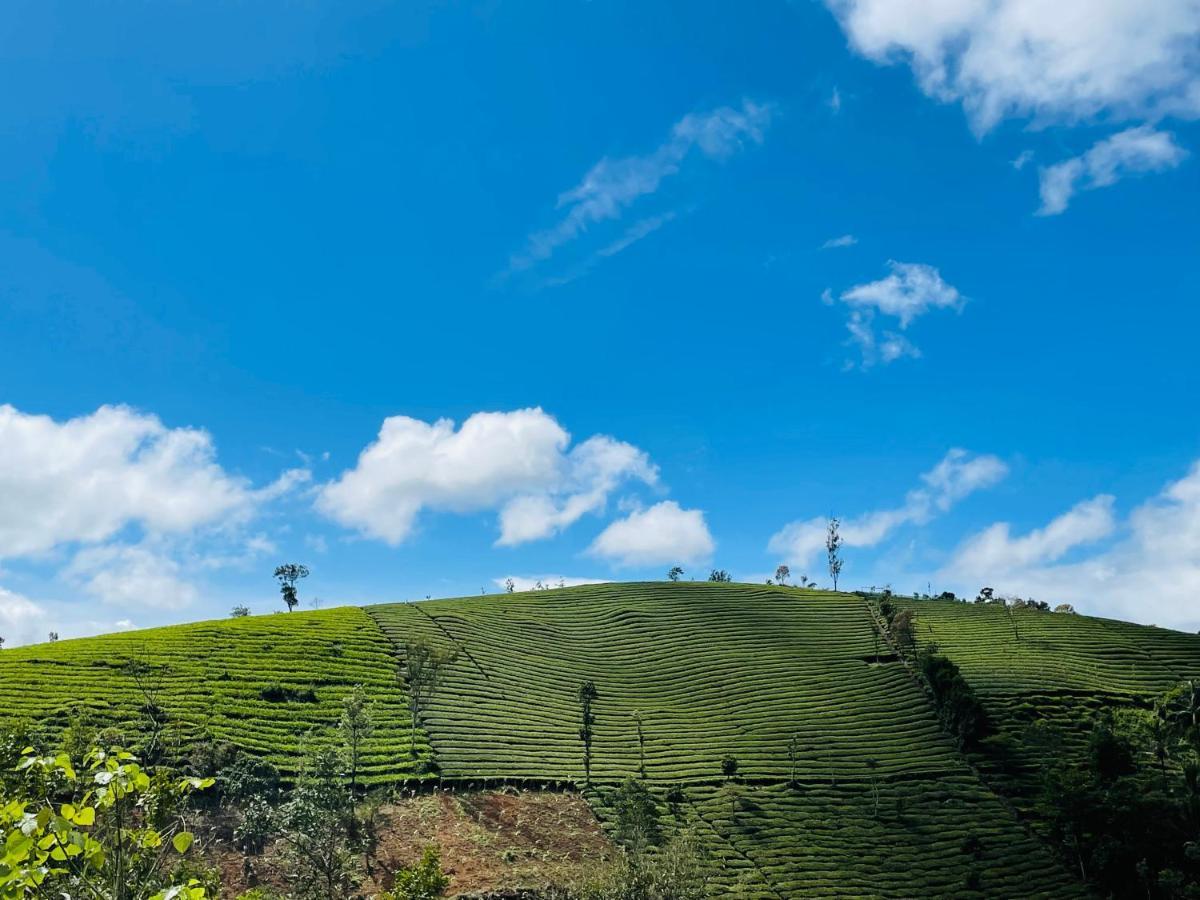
(287, 575)
(782, 574)
(833, 547)
(675, 573)
(423, 667)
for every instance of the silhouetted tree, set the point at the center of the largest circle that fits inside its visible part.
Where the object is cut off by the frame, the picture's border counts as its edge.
(719, 575)
(287, 575)
(729, 767)
(509, 585)
(240, 612)
(53, 636)
(675, 573)
(833, 547)
(782, 574)
(587, 694)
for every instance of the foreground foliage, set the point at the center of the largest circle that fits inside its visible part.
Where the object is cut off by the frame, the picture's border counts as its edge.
(112, 831)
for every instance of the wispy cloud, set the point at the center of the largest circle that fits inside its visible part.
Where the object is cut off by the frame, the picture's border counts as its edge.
(1131, 152)
(846, 240)
(909, 291)
(958, 475)
(612, 186)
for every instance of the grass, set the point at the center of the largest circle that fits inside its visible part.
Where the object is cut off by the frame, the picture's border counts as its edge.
(261, 683)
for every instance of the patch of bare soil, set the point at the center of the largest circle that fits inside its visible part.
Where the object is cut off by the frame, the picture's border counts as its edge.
(488, 840)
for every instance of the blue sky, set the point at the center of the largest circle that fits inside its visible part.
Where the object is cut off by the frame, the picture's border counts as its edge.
(703, 274)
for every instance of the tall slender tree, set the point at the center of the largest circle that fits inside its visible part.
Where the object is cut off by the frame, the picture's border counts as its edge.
(833, 549)
(287, 575)
(587, 695)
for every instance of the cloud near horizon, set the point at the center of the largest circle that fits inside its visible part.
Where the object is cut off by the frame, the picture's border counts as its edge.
(1145, 568)
(663, 534)
(958, 475)
(517, 463)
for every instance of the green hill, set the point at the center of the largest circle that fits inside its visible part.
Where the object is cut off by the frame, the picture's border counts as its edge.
(883, 802)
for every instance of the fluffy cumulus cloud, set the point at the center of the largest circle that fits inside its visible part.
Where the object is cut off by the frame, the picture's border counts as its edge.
(907, 292)
(1131, 152)
(84, 479)
(958, 475)
(662, 534)
(83, 485)
(21, 620)
(131, 577)
(1145, 568)
(516, 462)
(612, 186)
(1054, 62)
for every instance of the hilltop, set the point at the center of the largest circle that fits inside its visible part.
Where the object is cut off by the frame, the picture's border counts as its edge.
(848, 781)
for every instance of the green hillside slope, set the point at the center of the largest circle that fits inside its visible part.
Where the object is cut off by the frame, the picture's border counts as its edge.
(882, 803)
(261, 683)
(1043, 677)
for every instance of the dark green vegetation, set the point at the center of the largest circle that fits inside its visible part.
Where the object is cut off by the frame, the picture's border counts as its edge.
(782, 731)
(1091, 730)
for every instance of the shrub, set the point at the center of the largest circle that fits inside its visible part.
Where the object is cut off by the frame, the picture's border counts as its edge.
(423, 880)
(636, 816)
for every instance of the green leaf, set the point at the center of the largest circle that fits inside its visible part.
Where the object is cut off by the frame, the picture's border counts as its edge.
(182, 841)
(85, 816)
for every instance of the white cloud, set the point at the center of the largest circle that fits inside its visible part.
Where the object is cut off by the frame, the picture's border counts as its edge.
(613, 185)
(84, 479)
(21, 620)
(661, 534)
(1066, 61)
(131, 576)
(531, 582)
(955, 477)
(1023, 159)
(1133, 151)
(846, 240)
(516, 462)
(909, 291)
(1148, 572)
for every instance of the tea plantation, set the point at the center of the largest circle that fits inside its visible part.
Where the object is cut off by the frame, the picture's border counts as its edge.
(845, 785)
(260, 683)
